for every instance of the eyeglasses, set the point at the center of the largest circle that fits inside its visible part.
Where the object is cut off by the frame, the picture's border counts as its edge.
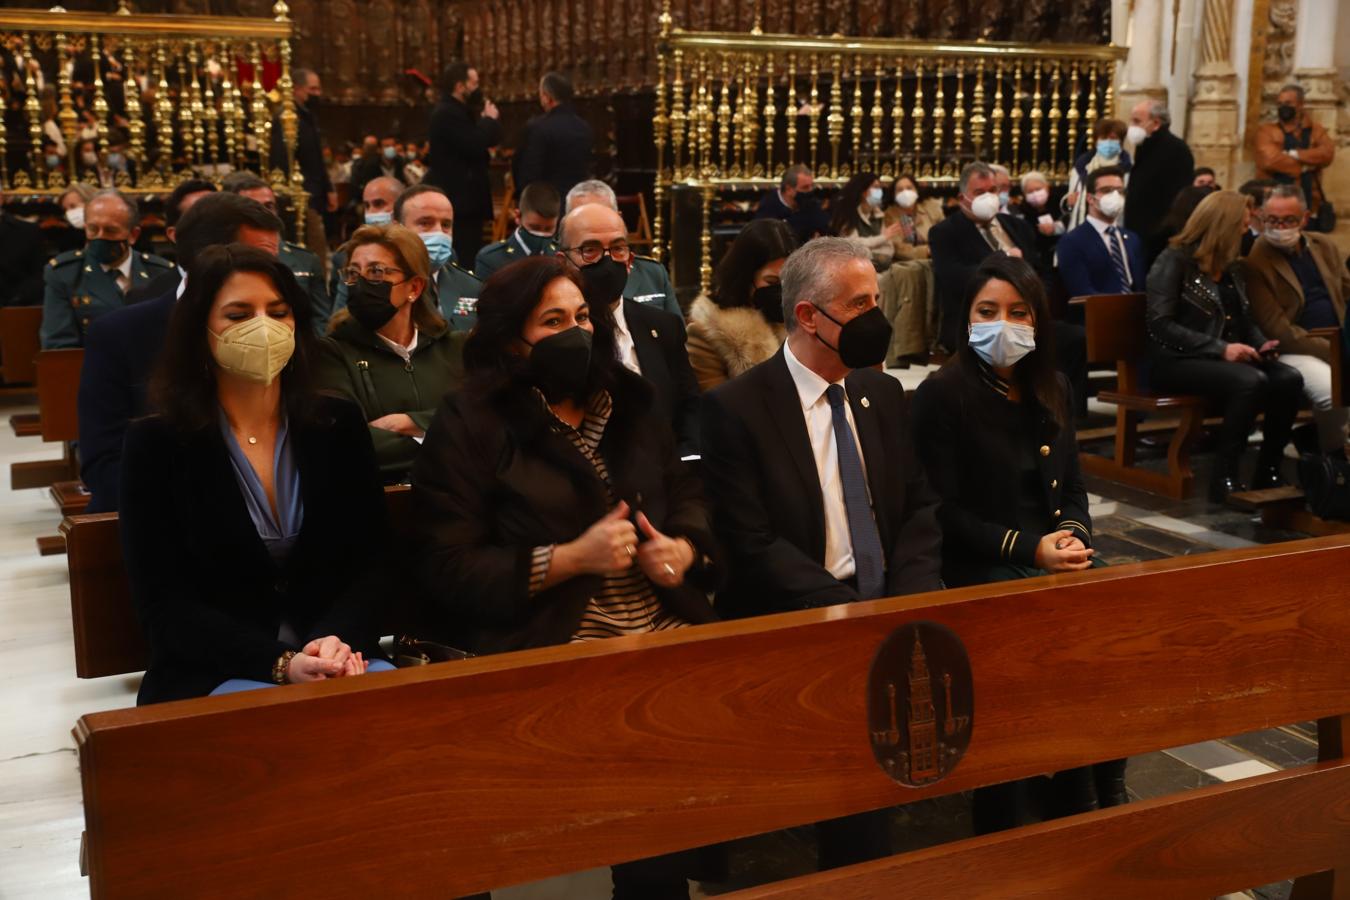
(1286, 222)
(373, 272)
(591, 251)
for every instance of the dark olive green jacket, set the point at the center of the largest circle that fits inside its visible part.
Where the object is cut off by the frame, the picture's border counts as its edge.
(355, 363)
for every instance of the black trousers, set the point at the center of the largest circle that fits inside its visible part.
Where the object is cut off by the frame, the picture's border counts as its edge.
(1071, 359)
(468, 240)
(1243, 390)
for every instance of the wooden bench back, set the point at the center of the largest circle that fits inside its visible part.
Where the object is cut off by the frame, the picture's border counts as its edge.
(465, 776)
(58, 389)
(19, 343)
(108, 635)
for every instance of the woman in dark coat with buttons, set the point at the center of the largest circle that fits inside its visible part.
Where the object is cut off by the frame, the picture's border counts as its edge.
(1204, 340)
(995, 433)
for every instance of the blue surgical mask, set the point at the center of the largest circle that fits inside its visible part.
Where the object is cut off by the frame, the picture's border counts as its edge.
(53, 161)
(390, 152)
(1003, 198)
(379, 218)
(1002, 343)
(117, 161)
(874, 198)
(439, 248)
(1108, 149)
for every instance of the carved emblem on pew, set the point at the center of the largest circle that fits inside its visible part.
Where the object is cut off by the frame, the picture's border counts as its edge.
(918, 736)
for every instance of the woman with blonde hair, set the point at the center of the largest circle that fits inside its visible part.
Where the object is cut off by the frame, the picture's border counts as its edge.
(390, 350)
(1204, 340)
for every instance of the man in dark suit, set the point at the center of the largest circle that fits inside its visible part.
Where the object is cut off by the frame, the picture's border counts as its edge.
(649, 341)
(797, 203)
(556, 146)
(122, 347)
(1163, 165)
(309, 158)
(960, 243)
(817, 493)
(21, 259)
(1101, 256)
(459, 155)
(179, 202)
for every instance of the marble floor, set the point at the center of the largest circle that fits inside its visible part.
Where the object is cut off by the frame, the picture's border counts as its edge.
(40, 806)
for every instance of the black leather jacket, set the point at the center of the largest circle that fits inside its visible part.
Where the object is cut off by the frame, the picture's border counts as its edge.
(1185, 316)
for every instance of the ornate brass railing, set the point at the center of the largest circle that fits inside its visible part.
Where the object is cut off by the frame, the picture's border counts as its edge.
(734, 110)
(183, 95)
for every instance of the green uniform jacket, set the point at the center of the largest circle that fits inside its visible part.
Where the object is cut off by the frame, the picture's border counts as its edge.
(308, 270)
(649, 284)
(355, 363)
(76, 291)
(456, 289)
(503, 253)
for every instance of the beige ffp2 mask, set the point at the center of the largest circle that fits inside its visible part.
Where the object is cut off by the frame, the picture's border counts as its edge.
(256, 349)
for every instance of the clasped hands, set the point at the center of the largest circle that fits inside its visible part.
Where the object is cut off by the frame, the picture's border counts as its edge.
(323, 658)
(610, 547)
(1061, 551)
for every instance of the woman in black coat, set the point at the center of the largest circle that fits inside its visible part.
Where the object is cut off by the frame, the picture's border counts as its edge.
(1203, 340)
(555, 506)
(995, 433)
(251, 511)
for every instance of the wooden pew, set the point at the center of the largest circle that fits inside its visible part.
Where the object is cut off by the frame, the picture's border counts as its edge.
(108, 636)
(1116, 334)
(505, 769)
(19, 343)
(58, 388)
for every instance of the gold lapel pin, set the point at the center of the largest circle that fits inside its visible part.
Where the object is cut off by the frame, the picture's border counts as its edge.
(654, 334)
(866, 403)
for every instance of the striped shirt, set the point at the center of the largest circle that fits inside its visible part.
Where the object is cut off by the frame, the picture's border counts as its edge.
(626, 603)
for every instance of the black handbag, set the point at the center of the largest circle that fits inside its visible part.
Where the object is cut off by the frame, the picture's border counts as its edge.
(1326, 485)
(409, 652)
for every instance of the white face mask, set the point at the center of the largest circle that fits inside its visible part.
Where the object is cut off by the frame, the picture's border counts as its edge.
(255, 349)
(1038, 198)
(907, 198)
(1136, 135)
(1002, 344)
(984, 207)
(1284, 238)
(1111, 204)
(75, 216)
(874, 198)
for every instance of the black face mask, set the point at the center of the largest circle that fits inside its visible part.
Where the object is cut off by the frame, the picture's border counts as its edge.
(475, 98)
(808, 201)
(604, 281)
(560, 364)
(105, 252)
(769, 301)
(312, 102)
(863, 340)
(1287, 113)
(370, 303)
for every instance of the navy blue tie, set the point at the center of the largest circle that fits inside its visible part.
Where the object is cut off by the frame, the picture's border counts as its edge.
(1122, 270)
(868, 560)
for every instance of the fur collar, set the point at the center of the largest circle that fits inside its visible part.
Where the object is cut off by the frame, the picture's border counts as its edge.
(740, 336)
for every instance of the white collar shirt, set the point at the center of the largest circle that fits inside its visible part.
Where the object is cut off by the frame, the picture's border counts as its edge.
(820, 430)
(1106, 238)
(624, 347)
(404, 353)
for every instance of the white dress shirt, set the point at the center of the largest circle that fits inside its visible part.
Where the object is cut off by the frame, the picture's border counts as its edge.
(624, 347)
(404, 353)
(1106, 239)
(820, 430)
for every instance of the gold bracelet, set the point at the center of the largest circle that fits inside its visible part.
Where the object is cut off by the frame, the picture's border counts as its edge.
(282, 666)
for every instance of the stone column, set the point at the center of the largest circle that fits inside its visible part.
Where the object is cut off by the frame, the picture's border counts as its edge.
(1143, 66)
(1315, 59)
(1214, 131)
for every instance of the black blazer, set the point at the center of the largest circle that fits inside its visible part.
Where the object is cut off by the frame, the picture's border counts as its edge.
(658, 340)
(970, 440)
(165, 282)
(556, 148)
(958, 249)
(120, 351)
(1185, 310)
(308, 155)
(1163, 166)
(21, 262)
(210, 598)
(493, 482)
(768, 511)
(458, 162)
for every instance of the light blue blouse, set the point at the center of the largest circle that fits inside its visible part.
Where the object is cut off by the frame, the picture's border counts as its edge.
(277, 536)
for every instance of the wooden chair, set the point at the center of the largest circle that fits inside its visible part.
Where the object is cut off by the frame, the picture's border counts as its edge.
(19, 343)
(1116, 334)
(641, 235)
(58, 388)
(505, 769)
(108, 636)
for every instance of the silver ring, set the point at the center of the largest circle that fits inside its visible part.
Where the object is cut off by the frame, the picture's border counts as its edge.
(669, 570)
(629, 548)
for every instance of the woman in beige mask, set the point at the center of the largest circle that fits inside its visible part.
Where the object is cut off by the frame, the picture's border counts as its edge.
(252, 516)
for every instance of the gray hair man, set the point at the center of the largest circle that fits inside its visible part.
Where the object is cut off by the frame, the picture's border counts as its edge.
(1296, 283)
(1163, 167)
(817, 494)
